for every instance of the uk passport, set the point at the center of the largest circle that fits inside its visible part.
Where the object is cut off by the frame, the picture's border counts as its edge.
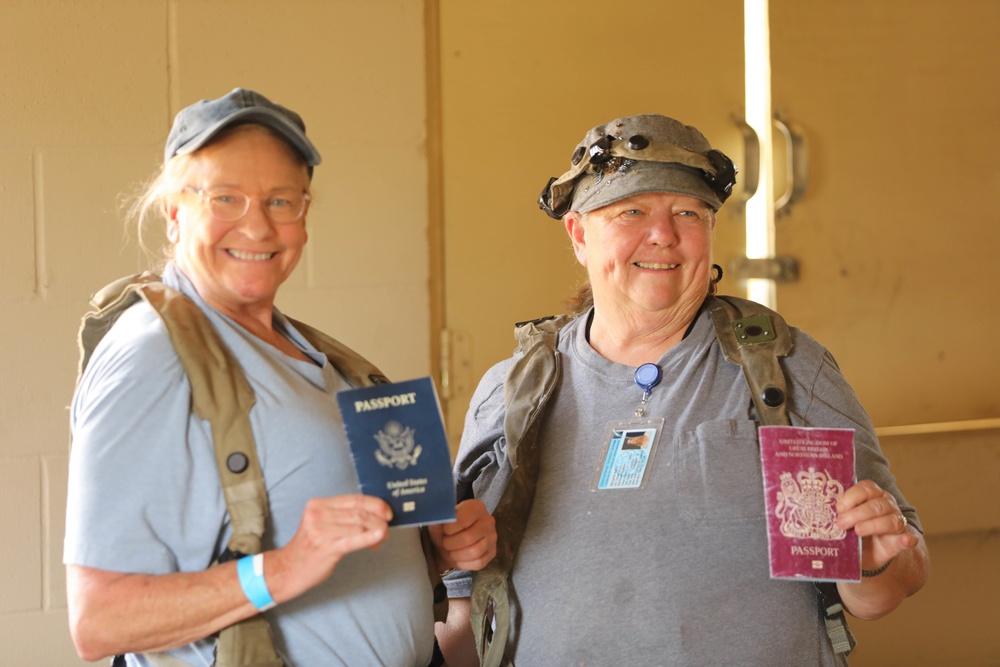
(806, 470)
(400, 450)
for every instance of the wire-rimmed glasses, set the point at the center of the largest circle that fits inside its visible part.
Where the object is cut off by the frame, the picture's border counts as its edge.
(229, 204)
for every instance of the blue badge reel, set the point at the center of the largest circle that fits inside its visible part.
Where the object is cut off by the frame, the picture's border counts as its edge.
(648, 376)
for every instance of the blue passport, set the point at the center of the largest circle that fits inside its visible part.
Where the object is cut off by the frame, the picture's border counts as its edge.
(400, 450)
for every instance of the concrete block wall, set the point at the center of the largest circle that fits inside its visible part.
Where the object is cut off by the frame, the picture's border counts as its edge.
(88, 89)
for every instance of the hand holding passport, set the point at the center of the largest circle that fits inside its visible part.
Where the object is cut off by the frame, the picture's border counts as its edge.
(400, 450)
(806, 470)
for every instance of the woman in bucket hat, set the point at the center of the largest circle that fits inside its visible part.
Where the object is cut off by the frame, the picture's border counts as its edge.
(631, 559)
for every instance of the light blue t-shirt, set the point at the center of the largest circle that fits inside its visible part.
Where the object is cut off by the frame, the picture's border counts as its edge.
(145, 497)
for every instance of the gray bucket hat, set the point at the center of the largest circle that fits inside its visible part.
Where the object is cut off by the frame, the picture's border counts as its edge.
(635, 155)
(195, 125)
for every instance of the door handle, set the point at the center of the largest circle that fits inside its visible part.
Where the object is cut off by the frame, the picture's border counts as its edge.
(796, 166)
(751, 161)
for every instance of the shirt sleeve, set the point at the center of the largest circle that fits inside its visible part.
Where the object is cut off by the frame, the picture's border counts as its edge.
(481, 466)
(144, 494)
(821, 396)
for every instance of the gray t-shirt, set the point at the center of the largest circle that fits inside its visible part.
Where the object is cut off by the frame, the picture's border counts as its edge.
(675, 573)
(145, 496)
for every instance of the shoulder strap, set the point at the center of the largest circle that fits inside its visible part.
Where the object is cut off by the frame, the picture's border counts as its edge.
(528, 386)
(109, 303)
(358, 371)
(221, 395)
(531, 378)
(756, 337)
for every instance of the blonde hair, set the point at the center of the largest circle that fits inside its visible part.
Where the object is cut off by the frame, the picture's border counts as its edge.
(148, 205)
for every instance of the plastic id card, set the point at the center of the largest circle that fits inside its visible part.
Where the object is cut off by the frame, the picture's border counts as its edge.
(627, 454)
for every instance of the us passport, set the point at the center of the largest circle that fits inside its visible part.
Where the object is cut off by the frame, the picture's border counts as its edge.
(400, 450)
(806, 470)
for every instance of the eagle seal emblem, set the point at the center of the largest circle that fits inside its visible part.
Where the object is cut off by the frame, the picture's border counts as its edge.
(397, 446)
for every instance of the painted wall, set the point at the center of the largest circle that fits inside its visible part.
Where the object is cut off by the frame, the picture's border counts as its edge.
(88, 90)
(897, 238)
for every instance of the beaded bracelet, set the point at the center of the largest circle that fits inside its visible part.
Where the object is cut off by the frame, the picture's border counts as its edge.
(875, 573)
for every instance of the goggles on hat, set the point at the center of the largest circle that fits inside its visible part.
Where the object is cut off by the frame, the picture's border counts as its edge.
(605, 154)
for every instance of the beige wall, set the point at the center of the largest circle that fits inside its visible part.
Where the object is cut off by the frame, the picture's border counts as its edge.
(897, 238)
(519, 90)
(87, 91)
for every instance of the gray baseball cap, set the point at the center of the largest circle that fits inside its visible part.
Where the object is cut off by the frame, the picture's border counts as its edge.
(195, 125)
(636, 155)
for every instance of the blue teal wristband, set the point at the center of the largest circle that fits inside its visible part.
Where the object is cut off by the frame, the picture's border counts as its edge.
(251, 572)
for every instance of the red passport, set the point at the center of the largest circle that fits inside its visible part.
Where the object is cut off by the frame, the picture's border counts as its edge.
(805, 471)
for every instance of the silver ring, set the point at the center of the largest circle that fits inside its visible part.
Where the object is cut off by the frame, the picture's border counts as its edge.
(905, 524)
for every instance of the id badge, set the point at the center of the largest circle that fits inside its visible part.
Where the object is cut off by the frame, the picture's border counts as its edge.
(627, 454)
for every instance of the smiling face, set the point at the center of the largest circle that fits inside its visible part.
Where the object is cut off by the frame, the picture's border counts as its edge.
(238, 266)
(647, 255)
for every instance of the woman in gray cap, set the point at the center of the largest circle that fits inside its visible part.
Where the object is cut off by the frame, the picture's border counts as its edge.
(146, 511)
(627, 559)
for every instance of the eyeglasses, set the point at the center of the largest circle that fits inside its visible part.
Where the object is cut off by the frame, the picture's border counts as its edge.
(231, 205)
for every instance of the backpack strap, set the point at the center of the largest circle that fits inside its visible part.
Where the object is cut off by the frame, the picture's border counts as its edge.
(221, 395)
(358, 371)
(755, 338)
(528, 386)
(109, 303)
